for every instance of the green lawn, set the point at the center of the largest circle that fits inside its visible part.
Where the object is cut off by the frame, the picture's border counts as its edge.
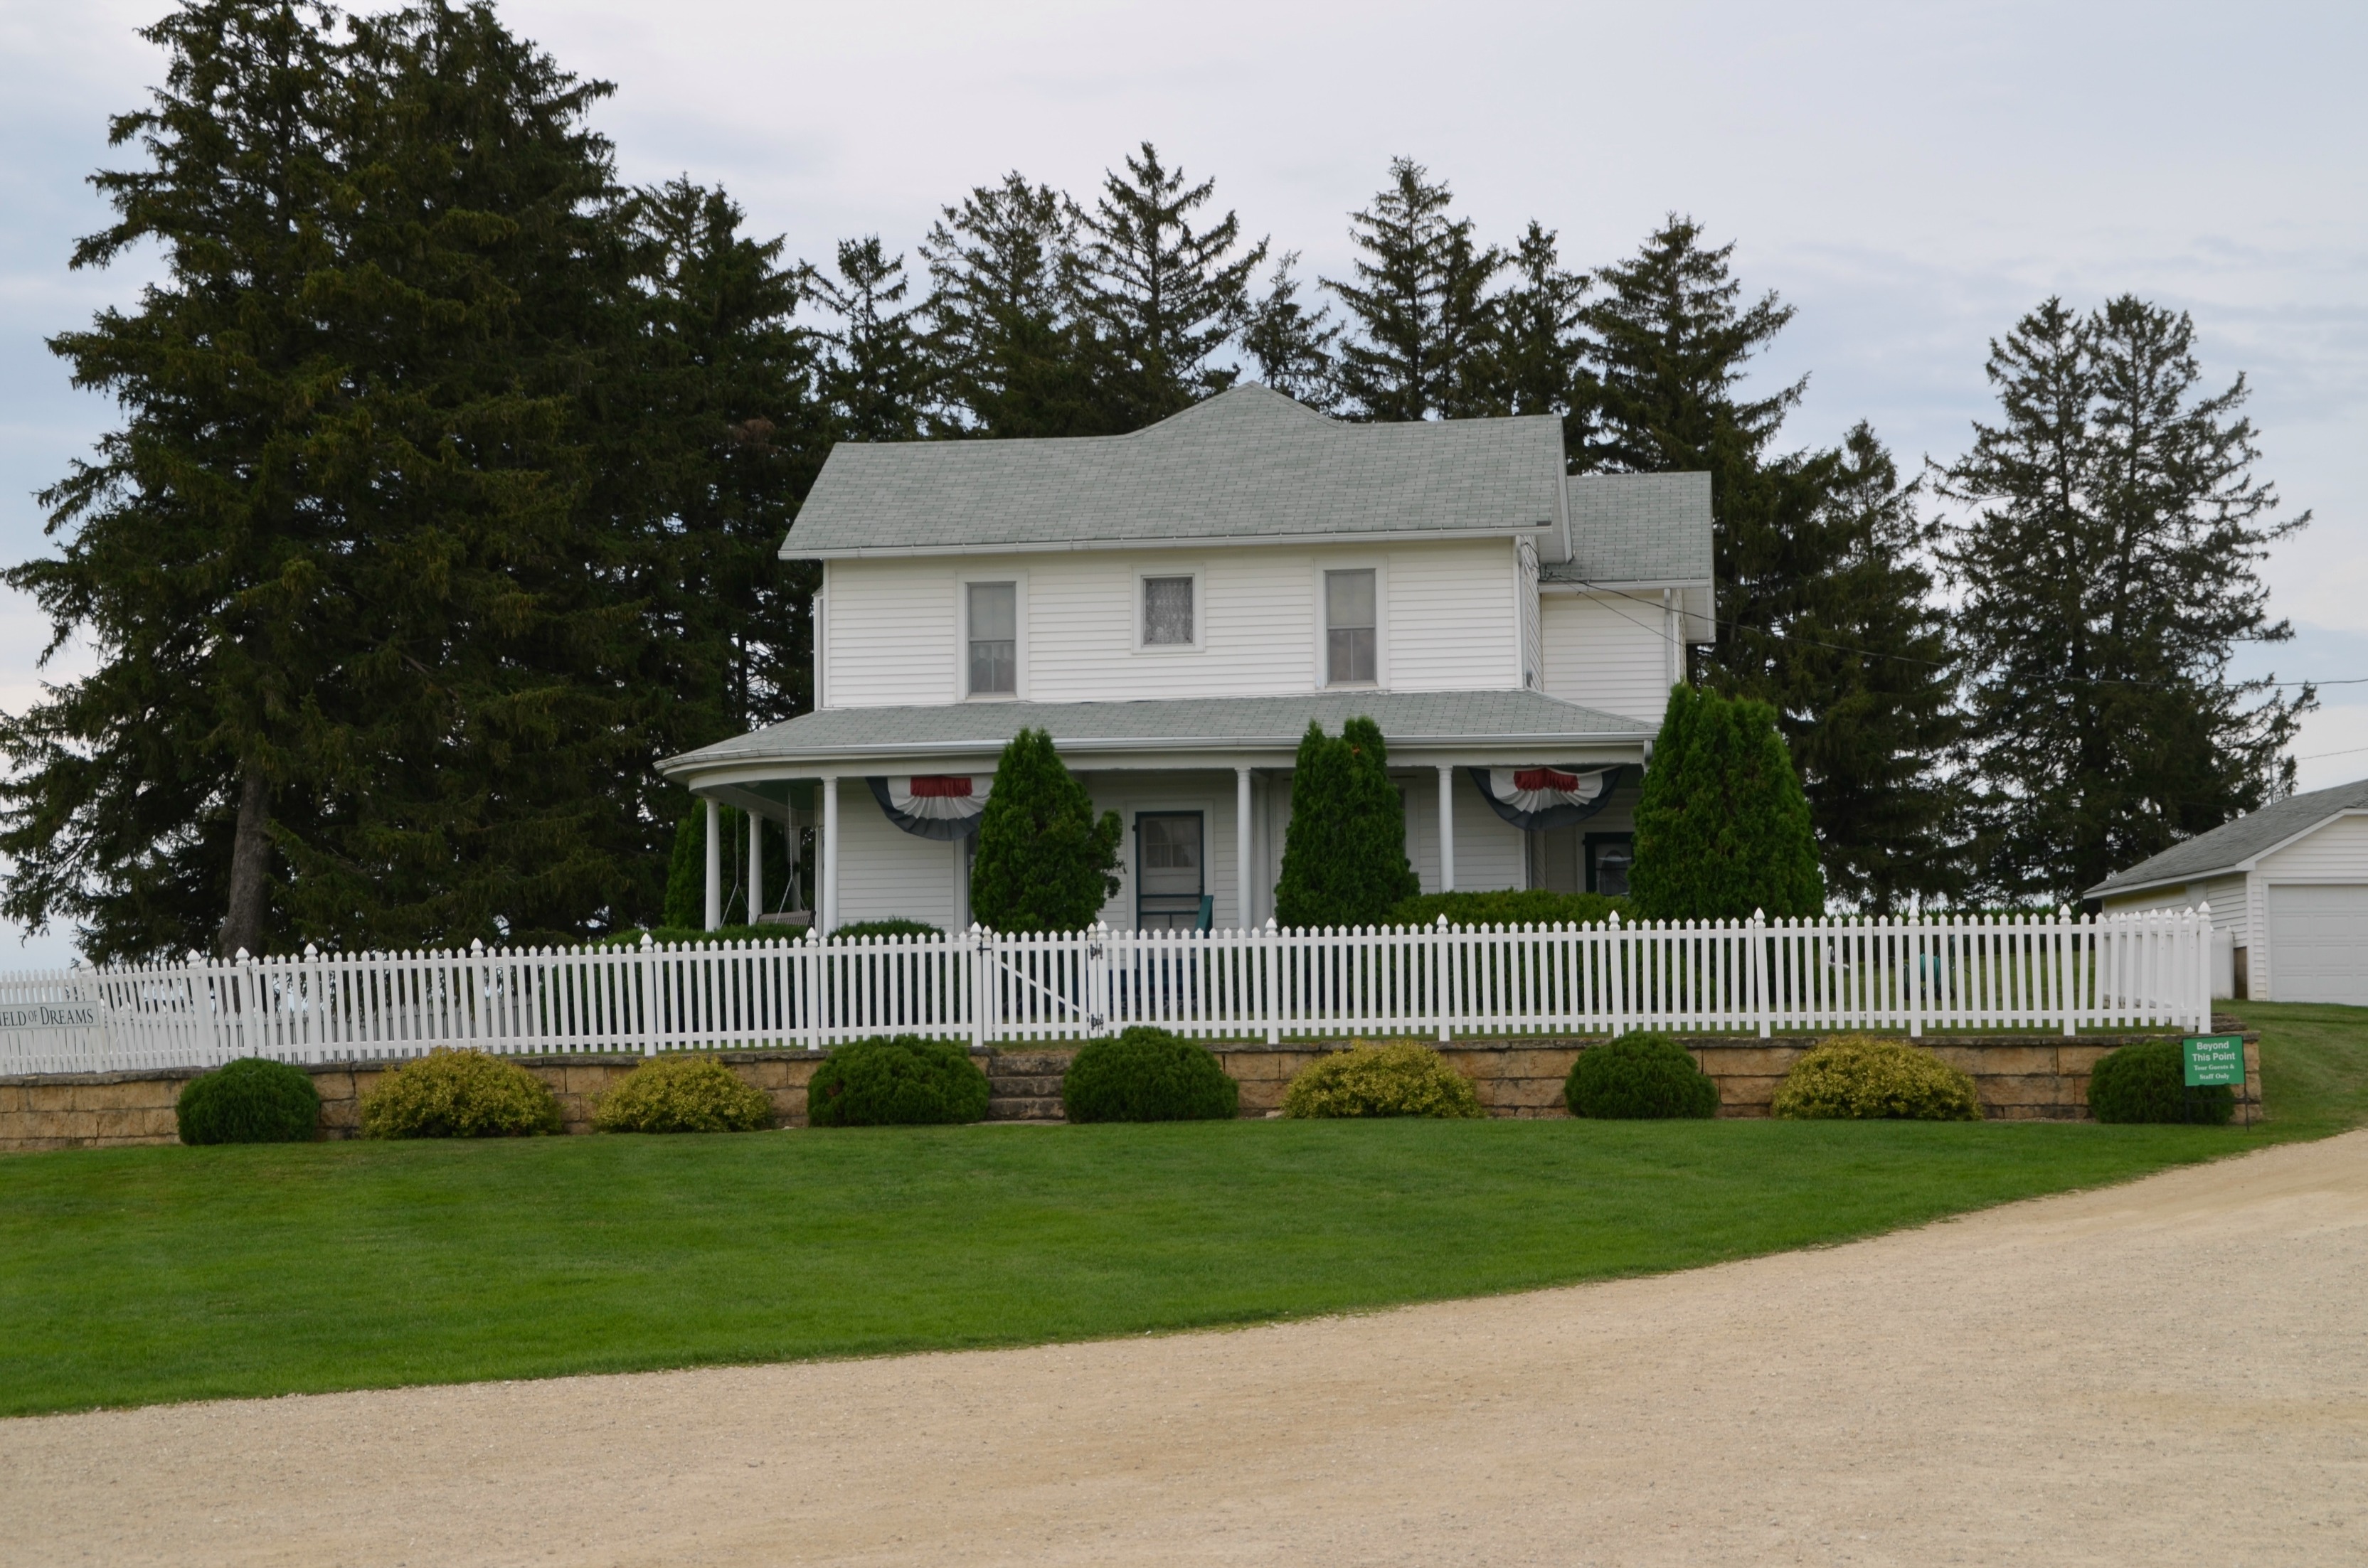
(144, 1275)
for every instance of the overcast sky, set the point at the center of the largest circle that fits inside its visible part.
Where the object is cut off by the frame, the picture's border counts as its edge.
(1911, 176)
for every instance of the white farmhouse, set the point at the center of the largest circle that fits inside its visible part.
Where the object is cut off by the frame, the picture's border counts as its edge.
(1174, 605)
(2288, 887)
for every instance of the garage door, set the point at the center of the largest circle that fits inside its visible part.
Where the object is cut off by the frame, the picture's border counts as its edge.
(2319, 943)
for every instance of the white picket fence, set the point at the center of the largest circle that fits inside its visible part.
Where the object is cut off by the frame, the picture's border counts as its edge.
(2056, 974)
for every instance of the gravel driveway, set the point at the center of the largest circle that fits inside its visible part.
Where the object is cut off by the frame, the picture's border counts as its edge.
(2170, 1371)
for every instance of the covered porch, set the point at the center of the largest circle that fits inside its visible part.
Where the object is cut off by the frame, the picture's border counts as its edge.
(890, 797)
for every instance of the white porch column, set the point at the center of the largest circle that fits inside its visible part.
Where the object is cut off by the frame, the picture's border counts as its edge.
(1243, 900)
(797, 855)
(714, 907)
(1446, 829)
(756, 867)
(826, 895)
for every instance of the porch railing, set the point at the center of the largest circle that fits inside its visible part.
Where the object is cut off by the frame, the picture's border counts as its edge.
(2056, 974)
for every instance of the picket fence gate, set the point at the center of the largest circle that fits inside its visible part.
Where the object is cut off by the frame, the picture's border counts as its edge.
(1747, 977)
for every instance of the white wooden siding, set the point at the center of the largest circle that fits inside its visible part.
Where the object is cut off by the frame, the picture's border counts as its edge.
(892, 635)
(1450, 621)
(2226, 894)
(1607, 654)
(885, 872)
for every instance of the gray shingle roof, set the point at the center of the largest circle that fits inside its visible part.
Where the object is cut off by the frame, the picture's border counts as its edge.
(1274, 723)
(2231, 844)
(1637, 528)
(1247, 464)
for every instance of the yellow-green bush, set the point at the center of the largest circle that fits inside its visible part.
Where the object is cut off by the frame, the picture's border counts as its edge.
(682, 1094)
(1860, 1077)
(1397, 1078)
(460, 1094)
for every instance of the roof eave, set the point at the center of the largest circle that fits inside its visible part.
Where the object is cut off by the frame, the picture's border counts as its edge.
(2249, 863)
(690, 762)
(1194, 541)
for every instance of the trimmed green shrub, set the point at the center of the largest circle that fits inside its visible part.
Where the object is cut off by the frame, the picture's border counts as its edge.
(1722, 826)
(909, 1081)
(893, 926)
(251, 1100)
(2147, 1082)
(1859, 1077)
(1044, 863)
(1344, 861)
(682, 1094)
(1148, 1074)
(1638, 1077)
(1510, 907)
(1397, 1078)
(460, 1094)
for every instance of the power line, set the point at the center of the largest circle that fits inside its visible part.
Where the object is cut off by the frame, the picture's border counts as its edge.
(1901, 658)
(2349, 751)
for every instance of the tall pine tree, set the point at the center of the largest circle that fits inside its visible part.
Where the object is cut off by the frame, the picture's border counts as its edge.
(1534, 359)
(1160, 297)
(2108, 565)
(1002, 312)
(1292, 346)
(877, 375)
(1823, 602)
(1419, 300)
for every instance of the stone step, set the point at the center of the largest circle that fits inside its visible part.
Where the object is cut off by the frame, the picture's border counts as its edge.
(1029, 1063)
(1023, 1108)
(1003, 1084)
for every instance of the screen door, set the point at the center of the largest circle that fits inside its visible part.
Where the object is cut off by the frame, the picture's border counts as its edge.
(1168, 871)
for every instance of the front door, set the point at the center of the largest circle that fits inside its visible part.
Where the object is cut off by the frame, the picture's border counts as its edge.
(1167, 870)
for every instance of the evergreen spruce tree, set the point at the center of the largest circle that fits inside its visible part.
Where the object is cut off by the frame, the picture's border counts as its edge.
(1344, 859)
(1159, 297)
(1044, 863)
(1419, 301)
(876, 379)
(1291, 345)
(1825, 604)
(1722, 826)
(144, 795)
(1002, 312)
(1534, 359)
(2109, 567)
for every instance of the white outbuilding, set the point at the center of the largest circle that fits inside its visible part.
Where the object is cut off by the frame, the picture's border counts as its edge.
(2288, 887)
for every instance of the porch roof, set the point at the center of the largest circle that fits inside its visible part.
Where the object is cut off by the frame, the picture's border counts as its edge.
(861, 739)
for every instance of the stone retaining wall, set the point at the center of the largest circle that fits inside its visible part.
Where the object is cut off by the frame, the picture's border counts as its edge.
(2019, 1078)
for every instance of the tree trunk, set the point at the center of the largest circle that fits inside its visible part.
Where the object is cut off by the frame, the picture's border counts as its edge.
(250, 866)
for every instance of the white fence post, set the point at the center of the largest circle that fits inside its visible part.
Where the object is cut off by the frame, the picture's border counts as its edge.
(1758, 938)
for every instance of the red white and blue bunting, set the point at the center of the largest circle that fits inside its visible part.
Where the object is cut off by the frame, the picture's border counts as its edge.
(933, 805)
(1539, 798)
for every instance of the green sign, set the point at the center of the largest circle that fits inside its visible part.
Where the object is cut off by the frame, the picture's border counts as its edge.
(2214, 1058)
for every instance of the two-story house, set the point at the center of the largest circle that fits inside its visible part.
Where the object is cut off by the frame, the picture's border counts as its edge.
(1174, 605)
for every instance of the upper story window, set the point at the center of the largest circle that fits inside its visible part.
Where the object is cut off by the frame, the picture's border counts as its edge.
(993, 616)
(1350, 628)
(1168, 612)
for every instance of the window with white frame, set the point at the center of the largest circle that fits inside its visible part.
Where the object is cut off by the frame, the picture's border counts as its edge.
(1168, 612)
(1350, 629)
(993, 623)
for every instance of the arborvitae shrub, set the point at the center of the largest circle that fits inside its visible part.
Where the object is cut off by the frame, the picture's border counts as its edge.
(1858, 1078)
(1639, 1077)
(1344, 861)
(1722, 826)
(2147, 1082)
(1148, 1074)
(1400, 1078)
(1044, 861)
(460, 1094)
(909, 1081)
(682, 1094)
(251, 1100)
(1534, 907)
